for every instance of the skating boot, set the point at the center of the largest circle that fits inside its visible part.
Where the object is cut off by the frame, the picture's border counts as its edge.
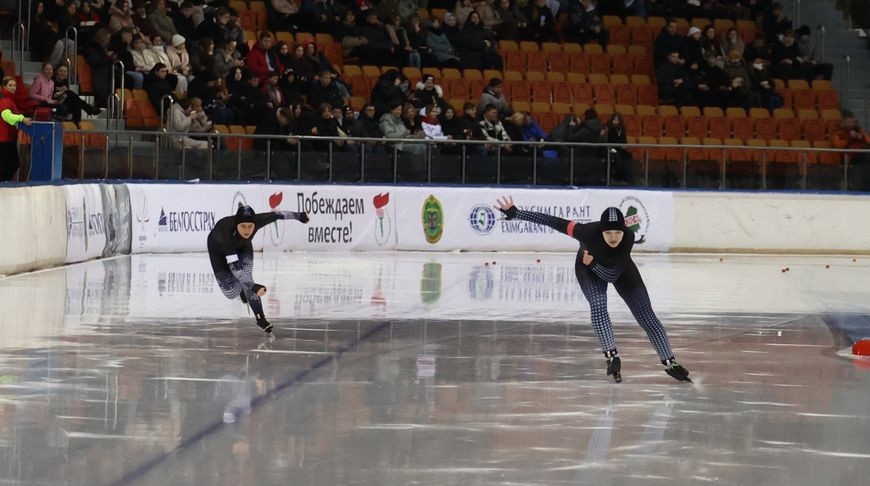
(676, 370)
(614, 366)
(264, 324)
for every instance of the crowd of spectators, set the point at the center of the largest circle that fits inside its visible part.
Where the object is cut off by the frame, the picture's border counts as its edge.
(710, 68)
(197, 53)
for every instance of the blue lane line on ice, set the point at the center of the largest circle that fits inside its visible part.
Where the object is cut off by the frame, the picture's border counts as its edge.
(256, 403)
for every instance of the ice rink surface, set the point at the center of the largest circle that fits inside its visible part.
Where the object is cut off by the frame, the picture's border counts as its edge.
(432, 369)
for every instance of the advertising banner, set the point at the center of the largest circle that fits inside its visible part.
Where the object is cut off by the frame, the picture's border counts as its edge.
(445, 219)
(85, 224)
(176, 218)
(341, 218)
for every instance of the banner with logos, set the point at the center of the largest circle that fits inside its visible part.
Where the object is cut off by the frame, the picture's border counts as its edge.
(85, 224)
(445, 219)
(341, 217)
(176, 218)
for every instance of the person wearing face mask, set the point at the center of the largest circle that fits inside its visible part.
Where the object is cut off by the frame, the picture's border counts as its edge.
(604, 258)
(159, 49)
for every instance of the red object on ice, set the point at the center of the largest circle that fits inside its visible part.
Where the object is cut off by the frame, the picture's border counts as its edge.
(861, 347)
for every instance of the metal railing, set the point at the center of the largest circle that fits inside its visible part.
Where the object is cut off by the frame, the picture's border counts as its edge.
(822, 34)
(844, 80)
(19, 44)
(71, 61)
(116, 103)
(165, 125)
(467, 161)
(26, 31)
(796, 12)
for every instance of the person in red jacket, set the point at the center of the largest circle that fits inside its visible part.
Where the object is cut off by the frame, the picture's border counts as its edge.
(8, 130)
(261, 61)
(851, 136)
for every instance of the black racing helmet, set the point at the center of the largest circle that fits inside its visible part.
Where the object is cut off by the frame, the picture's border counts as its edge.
(612, 219)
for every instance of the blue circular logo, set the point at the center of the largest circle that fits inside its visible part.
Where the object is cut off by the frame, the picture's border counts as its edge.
(482, 219)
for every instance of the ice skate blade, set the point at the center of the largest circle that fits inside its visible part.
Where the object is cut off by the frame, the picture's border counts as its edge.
(617, 377)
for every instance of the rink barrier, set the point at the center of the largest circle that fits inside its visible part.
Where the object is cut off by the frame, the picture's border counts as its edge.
(51, 225)
(168, 218)
(34, 228)
(750, 222)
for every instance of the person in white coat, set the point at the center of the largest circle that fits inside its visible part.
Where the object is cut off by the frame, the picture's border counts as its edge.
(431, 123)
(143, 57)
(181, 118)
(159, 50)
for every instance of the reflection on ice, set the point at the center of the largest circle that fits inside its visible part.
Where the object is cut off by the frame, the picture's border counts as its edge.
(429, 369)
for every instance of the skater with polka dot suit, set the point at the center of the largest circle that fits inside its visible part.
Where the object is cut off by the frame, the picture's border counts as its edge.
(605, 257)
(232, 256)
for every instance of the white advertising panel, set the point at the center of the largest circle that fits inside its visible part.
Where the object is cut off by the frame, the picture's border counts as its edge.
(341, 218)
(444, 219)
(176, 218)
(85, 224)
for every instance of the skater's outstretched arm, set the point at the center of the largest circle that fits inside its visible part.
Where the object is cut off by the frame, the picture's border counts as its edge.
(263, 219)
(506, 206)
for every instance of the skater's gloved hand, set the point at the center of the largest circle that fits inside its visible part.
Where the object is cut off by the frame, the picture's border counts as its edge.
(258, 289)
(506, 206)
(303, 217)
(587, 258)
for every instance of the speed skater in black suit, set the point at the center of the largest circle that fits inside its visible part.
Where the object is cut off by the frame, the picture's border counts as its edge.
(232, 256)
(605, 257)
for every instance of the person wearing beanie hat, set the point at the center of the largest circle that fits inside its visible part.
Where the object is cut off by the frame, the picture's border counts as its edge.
(493, 95)
(178, 55)
(232, 255)
(605, 257)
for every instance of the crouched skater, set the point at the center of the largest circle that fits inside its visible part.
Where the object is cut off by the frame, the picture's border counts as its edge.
(232, 256)
(605, 257)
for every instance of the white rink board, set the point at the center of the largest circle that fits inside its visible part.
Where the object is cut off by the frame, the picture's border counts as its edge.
(177, 218)
(470, 222)
(171, 218)
(86, 226)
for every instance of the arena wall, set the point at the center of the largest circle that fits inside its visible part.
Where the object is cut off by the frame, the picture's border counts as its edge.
(52, 225)
(34, 228)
